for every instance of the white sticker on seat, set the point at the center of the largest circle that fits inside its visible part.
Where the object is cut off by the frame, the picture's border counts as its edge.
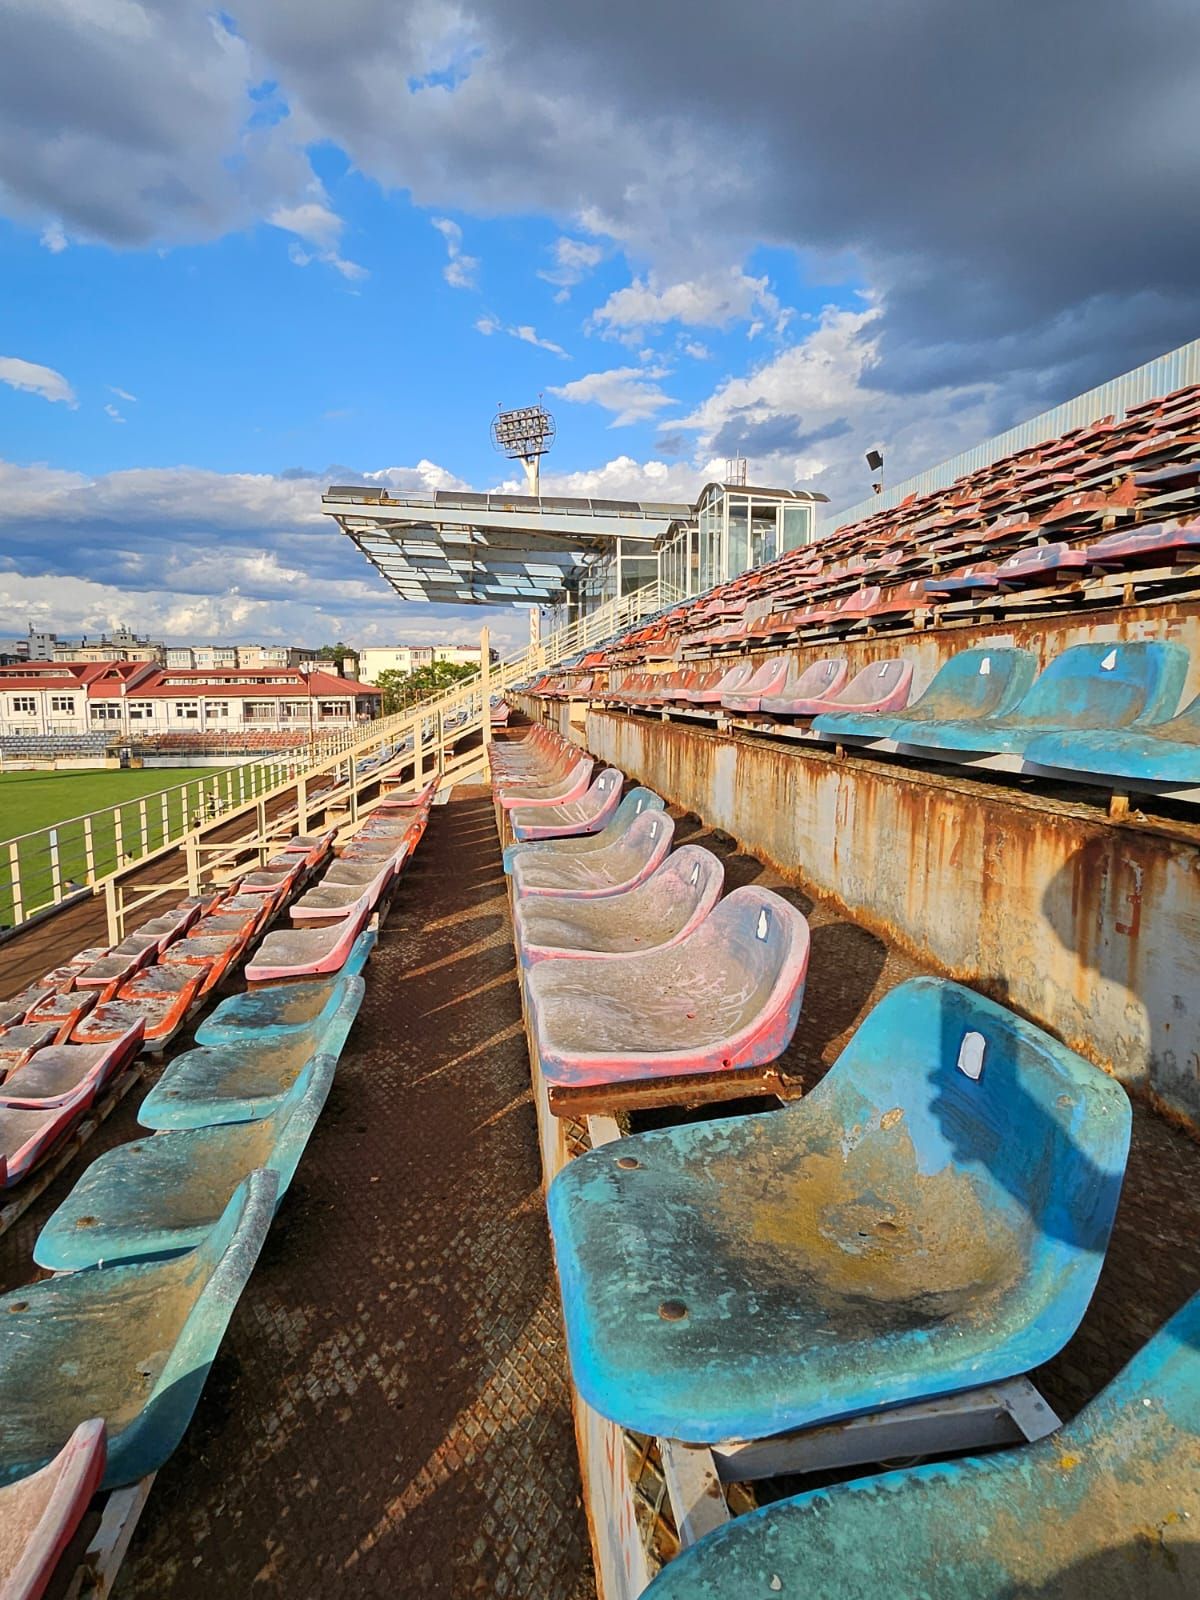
(695, 873)
(654, 829)
(985, 667)
(883, 666)
(970, 1055)
(764, 922)
(1109, 661)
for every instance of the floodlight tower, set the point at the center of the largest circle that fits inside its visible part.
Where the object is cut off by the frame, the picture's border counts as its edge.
(525, 436)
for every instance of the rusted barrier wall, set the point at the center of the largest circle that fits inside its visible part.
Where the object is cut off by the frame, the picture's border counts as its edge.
(1089, 927)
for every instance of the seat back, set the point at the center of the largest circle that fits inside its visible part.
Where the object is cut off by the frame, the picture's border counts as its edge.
(691, 878)
(872, 686)
(825, 676)
(736, 679)
(976, 683)
(1107, 686)
(768, 678)
(757, 945)
(947, 1082)
(292, 1124)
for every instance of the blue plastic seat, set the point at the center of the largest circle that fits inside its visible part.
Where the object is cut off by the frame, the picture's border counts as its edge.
(158, 1196)
(1163, 753)
(974, 683)
(633, 804)
(132, 1344)
(261, 1014)
(1088, 686)
(244, 1075)
(932, 1217)
(1106, 1509)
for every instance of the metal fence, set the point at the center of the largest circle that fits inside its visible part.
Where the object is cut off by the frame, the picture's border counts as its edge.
(42, 869)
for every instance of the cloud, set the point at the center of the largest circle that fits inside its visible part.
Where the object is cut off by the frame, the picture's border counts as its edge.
(489, 324)
(318, 225)
(53, 238)
(697, 351)
(112, 411)
(122, 394)
(35, 379)
(715, 300)
(184, 553)
(574, 260)
(461, 271)
(631, 393)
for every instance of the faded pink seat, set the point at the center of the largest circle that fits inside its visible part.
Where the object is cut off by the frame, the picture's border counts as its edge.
(727, 996)
(714, 694)
(56, 1074)
(39, 1514)
(305, 952)
(571, 787)
(657, 913)
(769, 679)
(326, 901)
(587, 815)
(881, 686)
(611, 869)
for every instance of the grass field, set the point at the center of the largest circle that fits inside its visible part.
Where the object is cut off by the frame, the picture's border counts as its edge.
(34, 800)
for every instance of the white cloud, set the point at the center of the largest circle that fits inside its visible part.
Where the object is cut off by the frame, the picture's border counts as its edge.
(714, 300)
(36, 379)
(489, 324)
(112, 411)
(122, 394)
(318, 225)
(697, 350)
(53, 238)
(631, 393)
(461, 271)
(574, 260)
(624, 478)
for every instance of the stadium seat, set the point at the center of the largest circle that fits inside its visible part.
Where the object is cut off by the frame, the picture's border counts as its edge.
(1107, 1507)
(269, 1013)
(931, 1217)
(633, 804)
(1103, 685)
(658, 913)
(881, 686)
(1166, 753)
(1042, 563)
(161, 1015)
(811, 682)
(245, 1071)
(611, 869)
(768, 679)
(157, 1196)
(28, 1137)
(725, 997)
(594, 811)
(572, 785)
(327, 902)
(306, 952)
(132, 1344)
(974, 683)
(56, 1074)
(39, 1515)
(20, 1041)
(728, 683)
(1169, 541)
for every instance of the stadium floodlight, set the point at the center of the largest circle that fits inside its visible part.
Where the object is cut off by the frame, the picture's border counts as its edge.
(875, 462)
(524, 435)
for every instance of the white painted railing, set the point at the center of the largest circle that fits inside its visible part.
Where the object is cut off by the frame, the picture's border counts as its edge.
(42, 869)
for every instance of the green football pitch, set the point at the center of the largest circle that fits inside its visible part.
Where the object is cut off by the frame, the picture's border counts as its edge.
(30, 801)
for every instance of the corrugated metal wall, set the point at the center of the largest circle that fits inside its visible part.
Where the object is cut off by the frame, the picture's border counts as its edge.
(1160, 376)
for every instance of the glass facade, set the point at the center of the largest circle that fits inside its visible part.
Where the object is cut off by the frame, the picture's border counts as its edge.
(736, 530)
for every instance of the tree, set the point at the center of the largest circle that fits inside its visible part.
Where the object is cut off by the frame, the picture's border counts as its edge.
(402, 689)
(337, 652)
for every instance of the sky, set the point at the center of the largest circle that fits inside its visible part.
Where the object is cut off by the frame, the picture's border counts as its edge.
(245, 253)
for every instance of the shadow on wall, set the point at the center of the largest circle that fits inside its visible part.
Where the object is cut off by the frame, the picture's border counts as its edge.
(1134, 998)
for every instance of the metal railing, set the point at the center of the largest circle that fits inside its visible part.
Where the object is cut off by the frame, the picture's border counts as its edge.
(42, 869)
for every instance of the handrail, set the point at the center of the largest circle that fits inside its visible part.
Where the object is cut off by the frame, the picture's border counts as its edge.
(44, 867)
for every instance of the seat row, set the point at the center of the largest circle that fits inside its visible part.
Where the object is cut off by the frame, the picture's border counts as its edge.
(101, 1365)
(1104, 711)
(869, 1271)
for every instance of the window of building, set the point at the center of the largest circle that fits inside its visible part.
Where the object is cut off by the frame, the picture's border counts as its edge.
(797, 526)
(331, 708)
(105, 712)
(259, 711)
(186, 708)
(24, 705)
(140, 710)
(216, 708)
(62, 702)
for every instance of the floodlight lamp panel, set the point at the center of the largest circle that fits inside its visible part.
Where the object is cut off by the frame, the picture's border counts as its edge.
(524, 433)
(874, 460)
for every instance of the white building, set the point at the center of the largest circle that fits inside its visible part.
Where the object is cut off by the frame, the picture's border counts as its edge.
(406, 658)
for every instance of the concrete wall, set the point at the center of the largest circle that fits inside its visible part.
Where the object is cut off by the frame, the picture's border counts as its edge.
(1089, 927)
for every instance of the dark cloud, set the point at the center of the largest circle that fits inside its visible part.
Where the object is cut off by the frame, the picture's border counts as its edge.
(774, 435)
(671, 445)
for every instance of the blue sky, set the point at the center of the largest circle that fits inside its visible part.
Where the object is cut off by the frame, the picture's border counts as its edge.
(243, 252)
